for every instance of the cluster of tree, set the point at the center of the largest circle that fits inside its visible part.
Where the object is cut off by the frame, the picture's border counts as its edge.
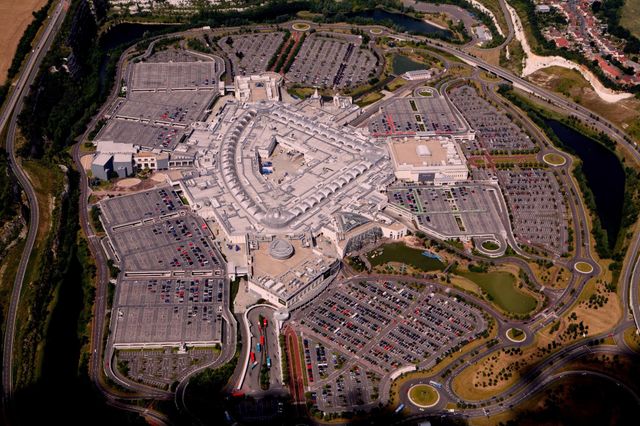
(497, 39)
(198, 45)
(274, 57)
(287, 66)
(609, 11)
(7, 189)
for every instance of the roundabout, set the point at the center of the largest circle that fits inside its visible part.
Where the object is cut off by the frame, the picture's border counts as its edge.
(516, 335)
(375, 31)
(491, 245)
(554, 159)
(583, 267)
(301, 26)
(423, 396)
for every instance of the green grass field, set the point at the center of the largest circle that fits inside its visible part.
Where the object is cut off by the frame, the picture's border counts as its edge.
(399, 252)
(629, 17)
(501, 288)
(423, 395)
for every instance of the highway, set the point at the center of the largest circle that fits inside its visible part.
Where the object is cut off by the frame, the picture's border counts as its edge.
(9, 116)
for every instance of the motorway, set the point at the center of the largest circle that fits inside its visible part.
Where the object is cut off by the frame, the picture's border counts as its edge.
(9, 116)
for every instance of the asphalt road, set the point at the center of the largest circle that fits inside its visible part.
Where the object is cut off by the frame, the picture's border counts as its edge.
(9, 115)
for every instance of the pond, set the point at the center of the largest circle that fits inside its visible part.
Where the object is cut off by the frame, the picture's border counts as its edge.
(603, 172)
(127, 33)
(400, 252)
(402, 64)
(402, 22)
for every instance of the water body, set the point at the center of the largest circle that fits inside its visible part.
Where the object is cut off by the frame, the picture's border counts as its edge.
(402, 64)
(403, 22)
(604, 173)
(127, 33)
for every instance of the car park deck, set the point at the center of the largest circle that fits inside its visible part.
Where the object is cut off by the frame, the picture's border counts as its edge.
(453, 211)
(153, 234)
(421, 115)
(161, 312)
(174, 75)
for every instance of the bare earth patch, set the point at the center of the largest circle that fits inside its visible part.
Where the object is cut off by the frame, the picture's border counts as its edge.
(86, 161)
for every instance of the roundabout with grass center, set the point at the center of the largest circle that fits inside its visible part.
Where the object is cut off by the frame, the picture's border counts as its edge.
(375, 31)
(300, 27)
(425, 93)
(490, 245)
(423, 396)
(516, 335)
(554, 159)
(583, 267)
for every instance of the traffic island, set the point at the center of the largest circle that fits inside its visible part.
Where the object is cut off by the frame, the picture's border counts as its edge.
(300, 26)
(583, 267)
(516, 335)
(375, 31)
(423, 396)
(554, 159)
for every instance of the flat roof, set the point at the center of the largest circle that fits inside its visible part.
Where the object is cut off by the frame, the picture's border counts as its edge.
(425, 152)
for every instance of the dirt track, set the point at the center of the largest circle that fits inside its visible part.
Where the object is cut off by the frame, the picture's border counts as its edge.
(14, 18)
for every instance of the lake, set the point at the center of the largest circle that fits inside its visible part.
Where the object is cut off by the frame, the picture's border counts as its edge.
(402, 22)
(604, 174)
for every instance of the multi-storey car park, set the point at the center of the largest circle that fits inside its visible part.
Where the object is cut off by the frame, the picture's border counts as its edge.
(172, 288)
(425, 114)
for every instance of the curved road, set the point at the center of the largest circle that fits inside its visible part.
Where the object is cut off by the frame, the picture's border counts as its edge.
(10, 115)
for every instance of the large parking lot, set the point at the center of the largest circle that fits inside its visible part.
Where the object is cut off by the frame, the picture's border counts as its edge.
(152, 232)
(408, 116)
(250, 53)
(351, 385)
(174, 75)
(332, 60)
(494, 129)
(455, 211)
(181, 242)
(538, 208)
(161, 367)
(151, 136)
(390, 324)
(168, 311)
(137, 207)
(170, 107)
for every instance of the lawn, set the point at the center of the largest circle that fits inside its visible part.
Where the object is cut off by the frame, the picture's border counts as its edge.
(554, 159)
(629, 16)
(500, 286)
(490, 245)
(423, 395)
(369, 98)
(399, 252)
